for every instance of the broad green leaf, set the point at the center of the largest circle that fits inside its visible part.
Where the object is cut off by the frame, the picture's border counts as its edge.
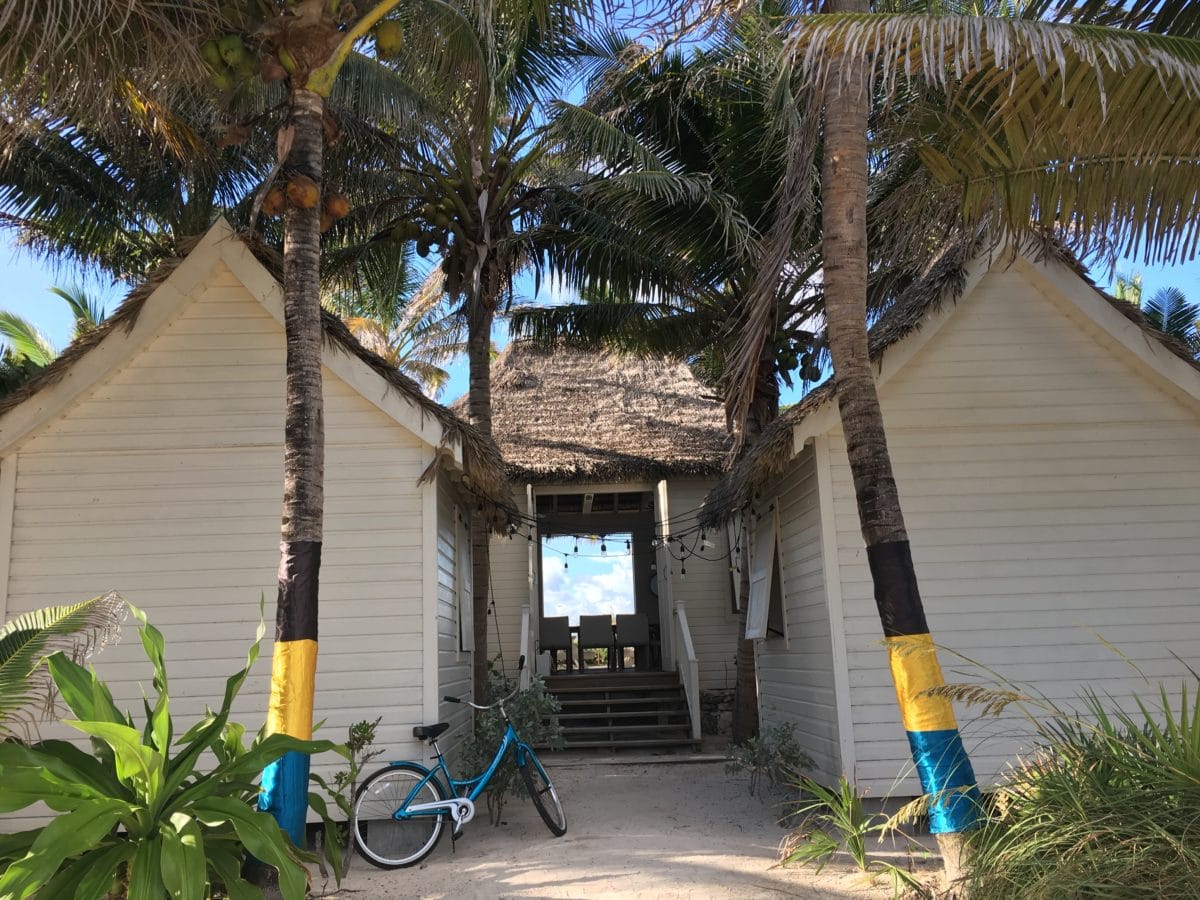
(229, 869)
(183, 866)
(137, 764)
(97, 883)
(270, 749)
(70, 834)
(24, 787)
(332, 845)
(145, 873)
(17, 844)
(63, 759)
(263, 839)
(83, 692)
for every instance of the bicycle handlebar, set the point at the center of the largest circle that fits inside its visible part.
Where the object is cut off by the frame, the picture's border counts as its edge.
(493, 705)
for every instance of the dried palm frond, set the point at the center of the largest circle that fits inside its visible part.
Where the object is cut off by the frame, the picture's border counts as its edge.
(993, 701)
(26, 690)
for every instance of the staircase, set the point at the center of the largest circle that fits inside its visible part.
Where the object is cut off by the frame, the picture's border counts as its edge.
(622, 710)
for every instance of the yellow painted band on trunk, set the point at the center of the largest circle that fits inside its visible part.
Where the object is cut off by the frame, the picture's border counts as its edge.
(293, 677)
(915, 669)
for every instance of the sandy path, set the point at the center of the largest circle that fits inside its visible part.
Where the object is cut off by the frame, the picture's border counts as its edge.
(680, 830)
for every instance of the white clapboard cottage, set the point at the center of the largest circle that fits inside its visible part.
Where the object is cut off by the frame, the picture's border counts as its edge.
(148, 459)
(1045, 442)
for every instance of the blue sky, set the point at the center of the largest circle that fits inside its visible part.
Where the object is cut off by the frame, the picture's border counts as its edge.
(592, 583)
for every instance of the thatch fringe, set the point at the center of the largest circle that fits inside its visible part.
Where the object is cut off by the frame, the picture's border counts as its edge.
(943, 282)
(572, 416)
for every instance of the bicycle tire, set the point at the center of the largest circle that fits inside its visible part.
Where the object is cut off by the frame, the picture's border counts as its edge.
(386, 842)
(538, 783)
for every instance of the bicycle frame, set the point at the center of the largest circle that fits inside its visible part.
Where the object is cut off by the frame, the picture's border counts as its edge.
(473, 786)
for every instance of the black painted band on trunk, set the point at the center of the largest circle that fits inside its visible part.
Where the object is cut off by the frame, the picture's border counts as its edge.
(896, 593)
(299, 568)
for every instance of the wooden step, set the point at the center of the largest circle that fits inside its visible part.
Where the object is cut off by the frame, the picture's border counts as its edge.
(643, 743)
(674, 712)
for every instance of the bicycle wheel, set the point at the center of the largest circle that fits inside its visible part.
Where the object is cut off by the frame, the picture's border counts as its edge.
(544, 797)
(388, 842)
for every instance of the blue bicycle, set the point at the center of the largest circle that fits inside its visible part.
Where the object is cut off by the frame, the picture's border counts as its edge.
(401, 811)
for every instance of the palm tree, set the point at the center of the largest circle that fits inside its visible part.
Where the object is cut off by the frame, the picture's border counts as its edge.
(82, 61)
(1015, 118)
(27, 350)
(702, 119)
(1169, 311)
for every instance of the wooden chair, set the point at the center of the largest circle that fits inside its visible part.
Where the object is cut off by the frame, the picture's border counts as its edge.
(632, 631)
(595, 632)
(555, 636)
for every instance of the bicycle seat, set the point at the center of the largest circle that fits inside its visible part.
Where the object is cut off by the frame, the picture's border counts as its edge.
(429, 732)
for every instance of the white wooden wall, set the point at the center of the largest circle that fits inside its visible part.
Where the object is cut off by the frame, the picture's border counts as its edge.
(166, 484)
(706, 591)
(796, 675)
(1051, 497)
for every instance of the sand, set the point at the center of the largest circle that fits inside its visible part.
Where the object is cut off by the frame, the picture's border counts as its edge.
(635, 829)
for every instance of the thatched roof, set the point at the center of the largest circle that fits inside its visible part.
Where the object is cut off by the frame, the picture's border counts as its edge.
(483, 476)
(943, 283)
(571, 416)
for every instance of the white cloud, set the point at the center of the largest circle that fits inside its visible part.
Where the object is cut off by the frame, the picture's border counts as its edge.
(589, 587)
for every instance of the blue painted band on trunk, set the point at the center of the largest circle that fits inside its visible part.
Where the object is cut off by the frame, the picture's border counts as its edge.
(946, 775)
(283, 783)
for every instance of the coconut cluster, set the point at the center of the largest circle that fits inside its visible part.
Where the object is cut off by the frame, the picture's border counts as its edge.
(302, 192)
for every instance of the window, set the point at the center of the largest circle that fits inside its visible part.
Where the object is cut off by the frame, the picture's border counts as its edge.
(765, 614)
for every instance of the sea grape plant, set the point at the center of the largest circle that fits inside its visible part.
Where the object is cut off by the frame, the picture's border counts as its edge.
(138, 817)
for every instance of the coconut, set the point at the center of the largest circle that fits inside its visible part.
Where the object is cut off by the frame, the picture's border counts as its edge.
(233, 136)
(326, 221)
(275, 202)
(337, 205)
(441, 220)
(423, 245)
(233, 49)
(222, 79)
(389, 39)
(303, 192)
(210, 52)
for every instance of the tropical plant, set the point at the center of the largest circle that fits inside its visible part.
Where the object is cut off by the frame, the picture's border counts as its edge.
(533, 712)
(1013, 118)
(842, 824)
(26, 349)
(773, 754)
(1105, 807)
(137, 817)
(79, 630)
(360, 750)
(1169, 311)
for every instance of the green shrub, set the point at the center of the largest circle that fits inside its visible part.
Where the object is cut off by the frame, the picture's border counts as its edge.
(1109, 807)
(137, 817)
(338, 841)
(774, 754)
(533, 712)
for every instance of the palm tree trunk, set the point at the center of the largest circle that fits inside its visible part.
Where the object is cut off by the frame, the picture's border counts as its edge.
(936, 745)
(764, 407)
(293, 671)
(479, 410)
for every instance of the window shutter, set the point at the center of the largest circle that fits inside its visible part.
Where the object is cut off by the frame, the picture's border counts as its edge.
(762, 566)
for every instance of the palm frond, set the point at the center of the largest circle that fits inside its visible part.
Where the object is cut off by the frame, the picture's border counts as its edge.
(87, 311)
(25, 642)
(1169, 311)
(23, 340)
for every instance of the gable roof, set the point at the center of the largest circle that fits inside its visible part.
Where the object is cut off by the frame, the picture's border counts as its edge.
(259, 269)
(948, 279)
(571, 415)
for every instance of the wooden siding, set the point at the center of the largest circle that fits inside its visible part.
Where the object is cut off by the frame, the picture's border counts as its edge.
(165, 484)
(796, 676)
(454, 665)
(1050, 494)
(706, 592)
